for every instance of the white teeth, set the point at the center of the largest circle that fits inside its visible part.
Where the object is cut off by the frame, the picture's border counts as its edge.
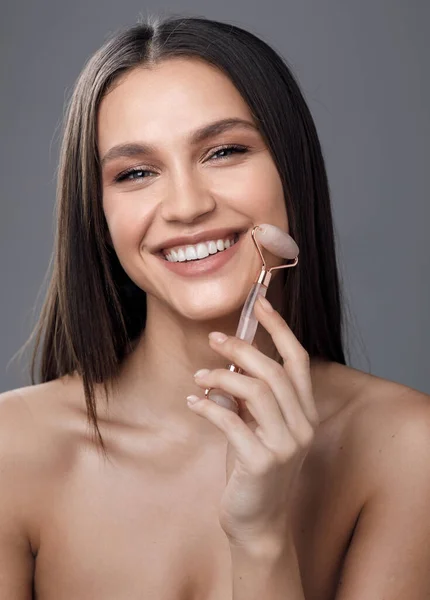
(180, 255)
(212, 247)
(190, 253)
(200, 251)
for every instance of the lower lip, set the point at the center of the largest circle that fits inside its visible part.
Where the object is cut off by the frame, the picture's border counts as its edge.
(203, 266)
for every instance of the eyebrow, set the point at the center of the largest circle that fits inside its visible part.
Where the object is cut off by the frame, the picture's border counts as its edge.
(132, 149)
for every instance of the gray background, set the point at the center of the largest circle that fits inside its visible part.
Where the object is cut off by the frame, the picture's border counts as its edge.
(363, 68)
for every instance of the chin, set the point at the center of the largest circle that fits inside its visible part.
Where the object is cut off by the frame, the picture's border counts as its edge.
(211, 311)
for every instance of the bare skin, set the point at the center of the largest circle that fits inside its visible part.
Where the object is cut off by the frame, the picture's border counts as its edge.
(144, 525)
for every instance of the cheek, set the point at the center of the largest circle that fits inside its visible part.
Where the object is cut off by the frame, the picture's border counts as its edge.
(263, 197)
(126, 225)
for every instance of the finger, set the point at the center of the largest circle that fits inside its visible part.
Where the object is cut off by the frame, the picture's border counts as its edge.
(259, 400)
(296, 359)
(250, 451)
(263, 368)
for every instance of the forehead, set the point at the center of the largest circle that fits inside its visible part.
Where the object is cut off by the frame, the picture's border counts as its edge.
(177, 95)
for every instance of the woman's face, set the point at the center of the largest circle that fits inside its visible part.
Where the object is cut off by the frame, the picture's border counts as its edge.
(182, 185)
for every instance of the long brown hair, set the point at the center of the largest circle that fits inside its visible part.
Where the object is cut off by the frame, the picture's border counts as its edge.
(93, 312)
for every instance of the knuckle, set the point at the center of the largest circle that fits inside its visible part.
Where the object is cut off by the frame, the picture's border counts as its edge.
(262, 464)
(278, 372)
(303, 356)
(262, 390)
(286, 451)
(315, 418)
(307, 435)
(260, 386)
(283, 456)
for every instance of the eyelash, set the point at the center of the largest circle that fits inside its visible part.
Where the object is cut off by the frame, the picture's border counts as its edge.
(123, 176)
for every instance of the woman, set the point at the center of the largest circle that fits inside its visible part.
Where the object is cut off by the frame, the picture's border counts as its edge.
(180, 132)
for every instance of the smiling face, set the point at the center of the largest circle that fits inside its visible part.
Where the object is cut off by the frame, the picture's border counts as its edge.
(182, 183)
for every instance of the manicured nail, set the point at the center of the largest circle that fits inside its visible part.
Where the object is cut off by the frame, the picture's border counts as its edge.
(192, 399)
(201, 373)
(218, 337)
(265, 304)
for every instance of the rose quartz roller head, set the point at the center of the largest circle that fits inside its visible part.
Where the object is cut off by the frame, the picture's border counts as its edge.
(278, 243)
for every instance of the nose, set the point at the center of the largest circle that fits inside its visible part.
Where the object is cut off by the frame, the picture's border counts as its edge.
(187, 198)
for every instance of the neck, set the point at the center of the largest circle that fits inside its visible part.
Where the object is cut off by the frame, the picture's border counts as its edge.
(157, 375)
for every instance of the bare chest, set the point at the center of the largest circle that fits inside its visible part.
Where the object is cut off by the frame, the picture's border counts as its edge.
(135, 530)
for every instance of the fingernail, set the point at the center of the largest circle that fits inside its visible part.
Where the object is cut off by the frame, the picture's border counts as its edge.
(265, 304)
(201, 373)
(192, 399)
(218, 337)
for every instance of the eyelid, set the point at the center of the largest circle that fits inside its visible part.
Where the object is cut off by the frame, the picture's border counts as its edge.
(119, 177)
(214, 149)
(240, 148)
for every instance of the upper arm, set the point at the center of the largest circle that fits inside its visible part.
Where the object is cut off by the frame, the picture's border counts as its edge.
(389, 555)
(16, 557)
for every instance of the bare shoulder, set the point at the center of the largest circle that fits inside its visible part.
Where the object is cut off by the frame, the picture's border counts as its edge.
(383, 455)
(37, 424)
(36, 451)
(35, 409)
(386, 427)
(386, 408)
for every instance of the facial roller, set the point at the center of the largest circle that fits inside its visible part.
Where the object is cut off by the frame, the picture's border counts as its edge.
(281, 244)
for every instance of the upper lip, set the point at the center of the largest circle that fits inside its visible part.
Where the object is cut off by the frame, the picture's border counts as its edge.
(201, 236)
